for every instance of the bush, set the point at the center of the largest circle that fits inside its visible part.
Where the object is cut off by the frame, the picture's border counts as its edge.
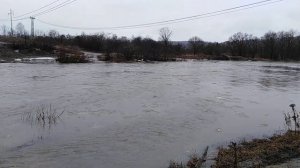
(70, 55)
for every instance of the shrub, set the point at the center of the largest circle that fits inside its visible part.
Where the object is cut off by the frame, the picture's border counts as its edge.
(70, 55)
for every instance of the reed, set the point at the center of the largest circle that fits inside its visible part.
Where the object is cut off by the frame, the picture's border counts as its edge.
(195, 161)
(43, 115)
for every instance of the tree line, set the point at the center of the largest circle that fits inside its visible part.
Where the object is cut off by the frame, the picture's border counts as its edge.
(277, 46)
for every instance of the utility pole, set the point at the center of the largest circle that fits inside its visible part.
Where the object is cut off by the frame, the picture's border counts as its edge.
(32, 25)
(11, 22)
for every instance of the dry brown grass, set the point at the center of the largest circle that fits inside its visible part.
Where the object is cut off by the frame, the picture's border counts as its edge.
(68, 54)
(261, 152)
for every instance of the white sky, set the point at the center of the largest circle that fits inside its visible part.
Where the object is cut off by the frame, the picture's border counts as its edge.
(280, 16)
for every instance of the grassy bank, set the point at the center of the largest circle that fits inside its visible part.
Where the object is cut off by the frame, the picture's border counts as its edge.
(260, 152)
(256, 153)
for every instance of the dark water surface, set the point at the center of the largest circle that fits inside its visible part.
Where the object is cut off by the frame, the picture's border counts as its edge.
(138, 115)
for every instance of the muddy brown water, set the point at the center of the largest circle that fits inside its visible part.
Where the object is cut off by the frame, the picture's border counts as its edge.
(139, 115)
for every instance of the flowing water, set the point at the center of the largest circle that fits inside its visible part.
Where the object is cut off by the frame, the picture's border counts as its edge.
(138, 115)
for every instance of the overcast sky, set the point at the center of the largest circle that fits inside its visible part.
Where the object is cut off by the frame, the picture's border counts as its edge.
(284, 15)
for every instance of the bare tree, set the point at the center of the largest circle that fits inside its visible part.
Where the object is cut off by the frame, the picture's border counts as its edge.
(4, 30)
(253, 46)
(53, 33)
(195, 44)
(20, 29)
(269, 41)
(238, 43)
(165, 35)
(286, 44)
(39, 33)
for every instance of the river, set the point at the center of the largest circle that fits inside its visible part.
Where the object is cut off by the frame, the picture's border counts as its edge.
(136, 114)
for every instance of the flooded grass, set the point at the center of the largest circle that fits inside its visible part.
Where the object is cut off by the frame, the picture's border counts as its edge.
(43, 116)
(195, 161)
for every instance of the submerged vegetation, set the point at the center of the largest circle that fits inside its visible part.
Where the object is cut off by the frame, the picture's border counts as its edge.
(43, 116)
(195, 161)
(292, 119)
(280, 46)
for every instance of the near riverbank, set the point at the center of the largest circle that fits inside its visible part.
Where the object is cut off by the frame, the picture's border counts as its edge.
(278, 149)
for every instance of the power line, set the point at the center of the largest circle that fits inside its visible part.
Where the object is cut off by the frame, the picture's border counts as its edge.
(178, 20)
(45, 6)
(21, 19)
(202, 17)
(67, 2)
(58, 6)
(6, 20)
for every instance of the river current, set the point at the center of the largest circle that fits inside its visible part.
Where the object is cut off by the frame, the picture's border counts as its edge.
(136, 114)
